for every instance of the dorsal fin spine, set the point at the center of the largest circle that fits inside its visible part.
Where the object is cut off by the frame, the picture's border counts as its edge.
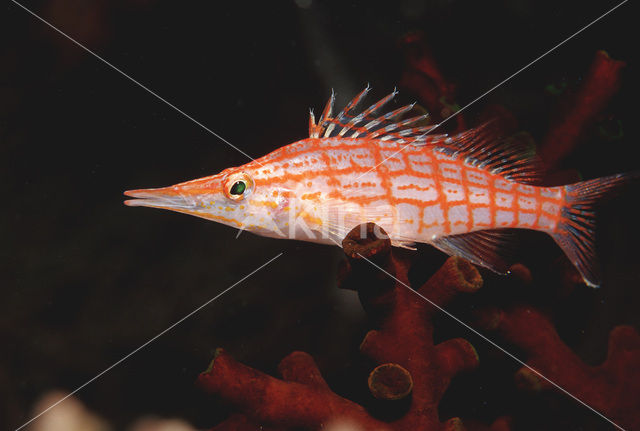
(312, 124)
(328, 109)
(399, 125)
(346, 124)
(364, 114)
(351, 105)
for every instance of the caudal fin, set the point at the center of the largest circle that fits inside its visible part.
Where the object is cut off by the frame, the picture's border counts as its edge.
(576, 232)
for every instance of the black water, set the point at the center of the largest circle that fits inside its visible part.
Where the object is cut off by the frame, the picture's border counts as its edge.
(85, 280)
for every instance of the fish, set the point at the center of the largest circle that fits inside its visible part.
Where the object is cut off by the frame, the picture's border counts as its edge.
(460, 193)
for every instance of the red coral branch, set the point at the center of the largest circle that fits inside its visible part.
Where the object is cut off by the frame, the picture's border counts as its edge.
(600, 84)
(412, 368)
(405, 336)
(613, 388)
(270, 401)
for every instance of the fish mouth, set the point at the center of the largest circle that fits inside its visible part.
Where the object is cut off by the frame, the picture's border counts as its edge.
(164, 198)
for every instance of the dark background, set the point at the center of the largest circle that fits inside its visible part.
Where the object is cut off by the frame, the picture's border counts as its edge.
(85, 280)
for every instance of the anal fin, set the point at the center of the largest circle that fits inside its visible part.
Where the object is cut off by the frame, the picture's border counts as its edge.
(485, 248)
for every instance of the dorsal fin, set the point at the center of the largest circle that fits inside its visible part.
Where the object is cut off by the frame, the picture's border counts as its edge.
(368, 124)
(513, 158)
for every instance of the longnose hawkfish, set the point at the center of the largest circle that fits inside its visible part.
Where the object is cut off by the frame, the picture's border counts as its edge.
(456, 192)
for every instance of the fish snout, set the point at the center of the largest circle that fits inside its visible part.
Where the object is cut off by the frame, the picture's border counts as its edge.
(183, 196)
(165, 197)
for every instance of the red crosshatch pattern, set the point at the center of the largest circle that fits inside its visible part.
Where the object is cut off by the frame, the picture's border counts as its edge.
(432, 193)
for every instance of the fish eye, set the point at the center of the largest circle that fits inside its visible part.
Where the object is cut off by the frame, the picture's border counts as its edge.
(237, 186)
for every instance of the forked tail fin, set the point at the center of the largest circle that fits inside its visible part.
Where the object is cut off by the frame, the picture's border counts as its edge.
(576, 232)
